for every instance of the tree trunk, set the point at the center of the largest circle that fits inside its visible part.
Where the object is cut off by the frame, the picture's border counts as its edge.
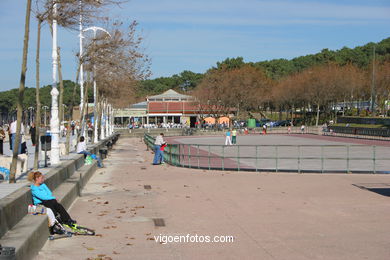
(71, 110)
(318, 113)
(21, 94)
(38, 101)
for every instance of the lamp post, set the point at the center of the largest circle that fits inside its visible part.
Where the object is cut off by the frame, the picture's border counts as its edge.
(96, 120)
(81, 60)
(54, 120)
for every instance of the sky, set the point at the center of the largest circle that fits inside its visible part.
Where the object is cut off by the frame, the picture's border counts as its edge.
(194, 35)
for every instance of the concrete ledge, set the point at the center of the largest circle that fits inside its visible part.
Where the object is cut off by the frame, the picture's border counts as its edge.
(29, 233)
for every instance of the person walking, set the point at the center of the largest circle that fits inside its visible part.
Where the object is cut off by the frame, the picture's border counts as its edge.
(2, 137)
(228, 139)
(302, 128)
(234, 136)
(157, 148)
(33, 133)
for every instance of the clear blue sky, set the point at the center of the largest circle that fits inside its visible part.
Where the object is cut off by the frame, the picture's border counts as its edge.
(194, 35)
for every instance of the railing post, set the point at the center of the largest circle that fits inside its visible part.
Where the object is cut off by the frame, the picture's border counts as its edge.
(189, 156)
(257, 158)
(322, 159)
(373, 158)
(347, 158)
(299, 159)
(179, 155)
(209, 158)
(238, 158)
(223, 158)
(198, 157)
(276, 158)
(170, 154)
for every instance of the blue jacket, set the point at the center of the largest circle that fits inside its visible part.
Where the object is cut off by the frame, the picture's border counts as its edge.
(41, 193)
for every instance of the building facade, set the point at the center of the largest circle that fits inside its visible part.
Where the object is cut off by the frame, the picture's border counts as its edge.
(168, 107)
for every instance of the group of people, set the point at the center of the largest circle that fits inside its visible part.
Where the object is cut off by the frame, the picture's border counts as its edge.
(231, 137)
(11, 131)
(159, 147)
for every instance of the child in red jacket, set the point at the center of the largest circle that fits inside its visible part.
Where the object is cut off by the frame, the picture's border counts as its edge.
(162, 148)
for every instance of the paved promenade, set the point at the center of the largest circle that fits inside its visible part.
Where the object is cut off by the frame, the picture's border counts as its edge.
(270, 215)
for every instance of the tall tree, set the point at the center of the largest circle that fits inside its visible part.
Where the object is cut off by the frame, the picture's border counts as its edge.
(21, 94)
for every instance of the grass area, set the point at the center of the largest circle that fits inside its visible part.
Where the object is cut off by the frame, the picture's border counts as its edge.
(361, 125)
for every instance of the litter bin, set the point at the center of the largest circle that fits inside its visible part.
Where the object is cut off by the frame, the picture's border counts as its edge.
(251, 123)
(46, 142)
(7, 253)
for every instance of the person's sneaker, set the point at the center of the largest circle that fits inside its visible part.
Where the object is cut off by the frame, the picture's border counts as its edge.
(56, 230)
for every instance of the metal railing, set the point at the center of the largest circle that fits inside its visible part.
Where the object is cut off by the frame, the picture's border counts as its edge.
(279, 158)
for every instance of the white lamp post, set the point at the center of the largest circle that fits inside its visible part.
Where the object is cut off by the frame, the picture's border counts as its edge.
(96, 138)
(54, 121)
(81, 81)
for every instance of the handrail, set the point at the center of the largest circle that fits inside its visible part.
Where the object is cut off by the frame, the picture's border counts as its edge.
(237, 157)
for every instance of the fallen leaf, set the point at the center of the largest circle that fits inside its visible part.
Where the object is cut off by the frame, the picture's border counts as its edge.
(101, 255)
(90, 248)
(148, 234)
(106, 202)
(118, 217)
(188, 197)
(150, 238)
(185, 186)
(98, 235)
(122, 211)
(129, 244)
(113, 226)
(139, 207)
(115, 253)
(106, 227)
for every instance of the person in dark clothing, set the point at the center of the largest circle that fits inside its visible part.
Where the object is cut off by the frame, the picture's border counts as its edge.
(2, 137)
(32, 133)
(42, 195)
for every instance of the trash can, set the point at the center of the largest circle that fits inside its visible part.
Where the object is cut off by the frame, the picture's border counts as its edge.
(46, 142)
(7, 253)
(251, 123)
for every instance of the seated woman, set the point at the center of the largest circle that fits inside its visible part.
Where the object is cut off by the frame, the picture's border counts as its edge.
(82, 149)
(42, 195)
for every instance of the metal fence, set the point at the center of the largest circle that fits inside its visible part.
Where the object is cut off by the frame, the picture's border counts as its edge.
(279, 158)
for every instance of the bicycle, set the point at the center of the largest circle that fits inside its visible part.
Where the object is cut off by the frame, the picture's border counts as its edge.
(71, 230)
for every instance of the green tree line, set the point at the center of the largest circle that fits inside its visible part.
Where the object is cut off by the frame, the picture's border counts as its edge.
(187, 81)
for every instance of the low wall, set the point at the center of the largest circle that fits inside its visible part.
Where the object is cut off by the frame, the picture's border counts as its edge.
(28, 233)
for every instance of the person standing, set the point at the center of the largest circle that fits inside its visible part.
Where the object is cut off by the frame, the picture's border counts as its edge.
(13, 135)
(302, 128)
(157, 148)
(2, 137)
(234, 136)
(33, 133)
(162, 148)
(228, 139)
